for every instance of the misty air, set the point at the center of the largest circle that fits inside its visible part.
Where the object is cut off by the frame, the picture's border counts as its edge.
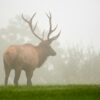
(49, 42)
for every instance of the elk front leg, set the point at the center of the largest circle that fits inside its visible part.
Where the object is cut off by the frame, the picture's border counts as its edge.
(17, 75)
(29, 74)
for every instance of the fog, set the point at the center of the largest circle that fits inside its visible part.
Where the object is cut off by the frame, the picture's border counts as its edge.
(78, 49)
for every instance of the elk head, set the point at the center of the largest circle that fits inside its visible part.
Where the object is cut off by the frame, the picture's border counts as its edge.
(44, 43)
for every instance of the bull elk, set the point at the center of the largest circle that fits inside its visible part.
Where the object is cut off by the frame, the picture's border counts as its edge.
(28, 57)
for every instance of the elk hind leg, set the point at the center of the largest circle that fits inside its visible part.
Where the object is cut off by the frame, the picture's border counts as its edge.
(7, 72)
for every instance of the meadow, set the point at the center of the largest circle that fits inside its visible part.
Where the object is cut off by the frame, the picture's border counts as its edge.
(51, 92)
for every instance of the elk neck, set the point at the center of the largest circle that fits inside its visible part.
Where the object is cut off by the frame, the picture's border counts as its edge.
(42, 55)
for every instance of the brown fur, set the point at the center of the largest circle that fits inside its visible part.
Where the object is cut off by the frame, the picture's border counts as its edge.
(25, 57)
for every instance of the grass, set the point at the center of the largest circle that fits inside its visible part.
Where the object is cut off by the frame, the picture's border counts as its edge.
(55, 92)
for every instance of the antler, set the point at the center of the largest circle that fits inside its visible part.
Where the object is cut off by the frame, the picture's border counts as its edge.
(30, 25)
(51, 30)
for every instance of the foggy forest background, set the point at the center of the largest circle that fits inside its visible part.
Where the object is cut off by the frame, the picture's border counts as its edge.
(72, 65)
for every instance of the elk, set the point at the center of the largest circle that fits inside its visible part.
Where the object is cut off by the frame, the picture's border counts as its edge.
(28, 57)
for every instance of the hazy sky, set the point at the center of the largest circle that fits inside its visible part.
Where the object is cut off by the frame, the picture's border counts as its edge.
(79, 20)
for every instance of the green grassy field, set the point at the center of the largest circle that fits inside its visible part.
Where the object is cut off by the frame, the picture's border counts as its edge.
(56, 92)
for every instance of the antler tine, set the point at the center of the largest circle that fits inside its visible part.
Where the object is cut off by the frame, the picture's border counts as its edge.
(50, 27)
(24, 19)
(28, 21)
(51, 30)
(30, 25)
(35, 27)
(32, 17)
(55, 37)
(49, 15)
